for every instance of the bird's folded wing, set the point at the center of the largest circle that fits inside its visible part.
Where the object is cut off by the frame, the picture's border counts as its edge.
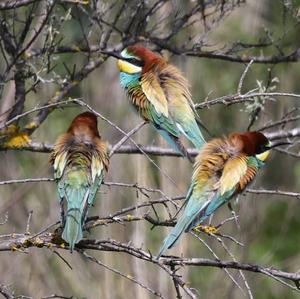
(158, 110)
(60, 161)
(239, 170)
(99, 163)
(155, 94)
(96, 167)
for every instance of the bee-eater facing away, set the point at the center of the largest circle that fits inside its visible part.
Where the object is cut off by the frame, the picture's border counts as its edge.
(160, 94)
(79, 159)
(223, 169)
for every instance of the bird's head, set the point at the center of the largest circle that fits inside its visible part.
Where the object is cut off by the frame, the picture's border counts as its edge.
(136, 59)
(84, 126)
(258, 145)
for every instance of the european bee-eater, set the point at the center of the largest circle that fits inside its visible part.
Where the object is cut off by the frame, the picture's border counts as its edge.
(79, 159)
(222, 170)
(160, 94)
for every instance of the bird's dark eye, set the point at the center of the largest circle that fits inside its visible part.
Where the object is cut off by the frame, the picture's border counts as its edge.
(261, 148)
(135, 61)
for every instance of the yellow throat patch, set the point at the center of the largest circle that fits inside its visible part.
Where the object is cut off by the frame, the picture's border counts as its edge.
(128, 67)
(263, 156)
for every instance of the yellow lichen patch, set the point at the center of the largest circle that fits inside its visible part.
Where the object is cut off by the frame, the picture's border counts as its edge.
(13, 248)
(206, 229)
(32, 125)
(27, 242)
(76, 48)
(83, 2)
(17, 141)
(10, 130)
(63, 245)
(16, 248)
(26, 55)
(38, 242)
(129, 276)
(129, 217)
(57, 93)
(49, 245)
(99, 222)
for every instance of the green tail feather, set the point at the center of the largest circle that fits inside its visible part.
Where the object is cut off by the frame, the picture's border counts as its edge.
(73, 231)
(197, 209)
(192, 209)
(193, 133)
(195, 212)
(176, 232)
(197, 139)
(213, 205)
(76, 208)
(175, 143)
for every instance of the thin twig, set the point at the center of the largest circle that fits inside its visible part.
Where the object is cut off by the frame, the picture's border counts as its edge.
(125, 138)
(240, 86)
(126, 276)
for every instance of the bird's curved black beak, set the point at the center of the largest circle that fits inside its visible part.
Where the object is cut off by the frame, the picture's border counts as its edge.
(278, 143)
(114, 54)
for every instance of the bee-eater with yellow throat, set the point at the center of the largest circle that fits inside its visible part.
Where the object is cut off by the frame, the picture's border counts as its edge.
(160, 94)
(223, 169)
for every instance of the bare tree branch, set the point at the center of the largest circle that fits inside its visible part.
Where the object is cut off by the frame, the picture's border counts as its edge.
(5, 292)
(24, 242)
(42, 64)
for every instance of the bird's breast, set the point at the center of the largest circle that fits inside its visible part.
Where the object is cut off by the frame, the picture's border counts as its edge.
(127, 80)
(138, 99)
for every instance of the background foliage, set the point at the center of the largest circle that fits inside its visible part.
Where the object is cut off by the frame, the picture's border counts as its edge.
(52, 51)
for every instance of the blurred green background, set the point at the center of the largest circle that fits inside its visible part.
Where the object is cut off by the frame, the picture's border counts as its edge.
(269, 225)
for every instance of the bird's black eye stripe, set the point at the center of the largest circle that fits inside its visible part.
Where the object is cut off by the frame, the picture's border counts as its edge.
(136, 62)
(262, 148)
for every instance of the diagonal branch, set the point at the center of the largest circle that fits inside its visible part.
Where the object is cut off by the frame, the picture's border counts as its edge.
(59, 95)
(5, 292)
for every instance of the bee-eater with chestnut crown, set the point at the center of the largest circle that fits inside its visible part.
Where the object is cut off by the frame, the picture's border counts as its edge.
(160, 94)
(79, 159)
(223, 169)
